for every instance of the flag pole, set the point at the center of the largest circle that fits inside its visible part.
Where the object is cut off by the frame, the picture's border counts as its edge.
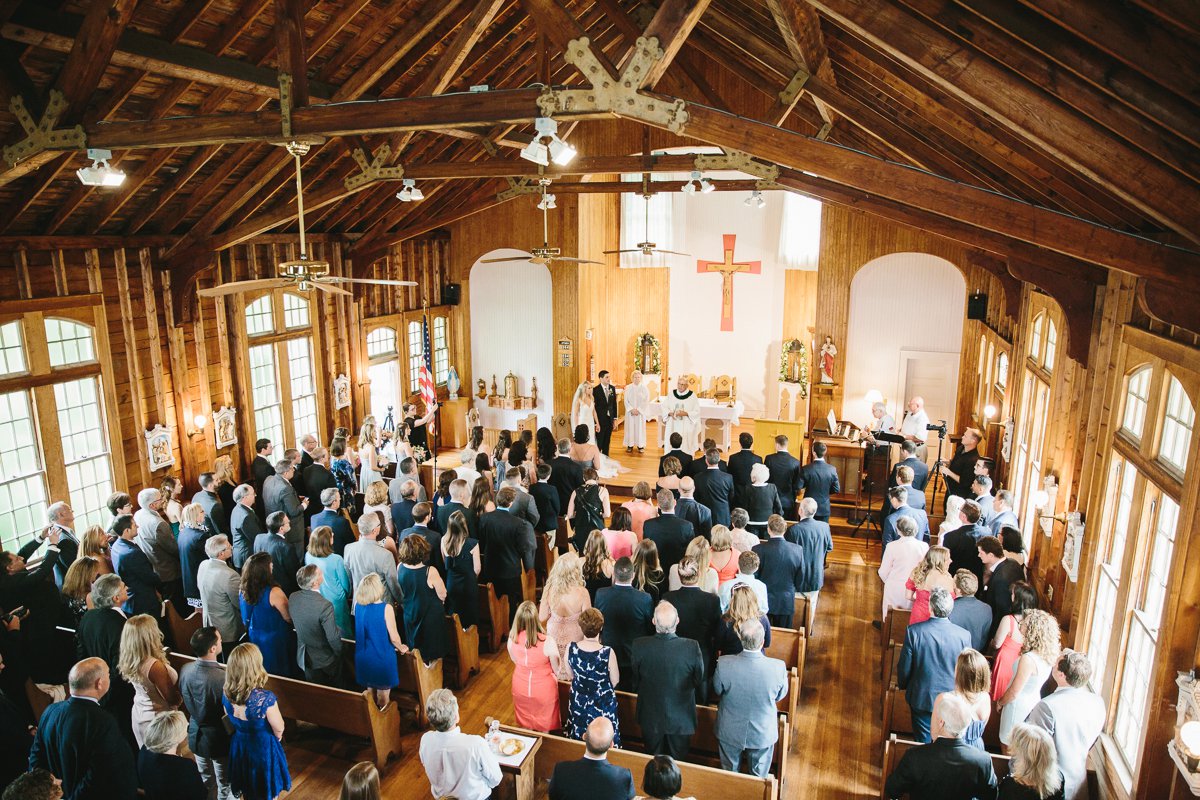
(426, 354)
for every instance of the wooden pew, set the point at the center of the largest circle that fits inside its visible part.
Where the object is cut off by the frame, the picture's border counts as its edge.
(698, 781)
(417, 681)
(790, 646)
(464, 656)
(704, 749)
(529, 586)
(351, 713)
(894, 749)
(891, 663)
(802, 614)
(493, 616)
(562, 535)
(544, 558)
(894, 627)
(181, 628)
(39, 701)
(897, 716)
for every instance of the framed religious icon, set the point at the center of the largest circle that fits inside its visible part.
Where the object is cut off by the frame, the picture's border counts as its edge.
(341, 391)
(225, 422)
(158, 447)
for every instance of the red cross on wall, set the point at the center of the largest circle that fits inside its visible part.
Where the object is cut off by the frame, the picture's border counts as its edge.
(728, 268)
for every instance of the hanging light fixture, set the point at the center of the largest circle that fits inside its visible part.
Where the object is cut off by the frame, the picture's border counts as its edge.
(100, 173)
(694, 182)
(547, 202)
(756, 200)
(707, 186)
(547, 146)
(410, 192)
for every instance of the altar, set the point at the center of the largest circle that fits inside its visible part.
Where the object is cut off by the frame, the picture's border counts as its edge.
(722, 413)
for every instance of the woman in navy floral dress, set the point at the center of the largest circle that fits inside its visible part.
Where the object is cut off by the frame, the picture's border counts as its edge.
(258, 768)
(594, 674)
(343, 473)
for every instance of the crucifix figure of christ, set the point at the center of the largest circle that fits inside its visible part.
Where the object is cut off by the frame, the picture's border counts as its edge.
(728, 268)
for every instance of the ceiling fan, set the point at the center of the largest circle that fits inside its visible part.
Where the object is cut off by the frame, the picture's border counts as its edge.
(302, 273)
(544, 254)
(647, 247)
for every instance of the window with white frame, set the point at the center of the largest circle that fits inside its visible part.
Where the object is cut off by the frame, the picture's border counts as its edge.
(283, 368)
(1032, 417)
(800, 232)
(383, 370)
(441, 350)
(643, 220)
(43, 411)
(1136, 548)
(416, 355)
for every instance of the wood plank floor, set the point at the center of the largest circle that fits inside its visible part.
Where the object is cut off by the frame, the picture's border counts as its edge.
(837, 751)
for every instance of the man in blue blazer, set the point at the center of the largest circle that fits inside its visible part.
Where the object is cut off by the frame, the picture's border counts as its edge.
(815, 539)
(781, 568)
(331, 503)
(928, 658)
(592, 777)
(685, 459)
(714, 488)
(402, 518)
(748, 686)
(629, 615)
(669, 532)
(283, 557)
(820, 480)
(785, 474)
(908, 458)
(981, 492)
(898, 500)
(79, 743)
(963, 541)
(1003, 516)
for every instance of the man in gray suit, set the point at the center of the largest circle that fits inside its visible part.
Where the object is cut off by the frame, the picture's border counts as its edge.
(219, 586)
(319, 642)
(523, 505)
(367, 555)
(280, 495)
(155, 539)
(1074, 716)
(244, 524)
(202, 685)
(406, 471)
(749, 685)
(214, 511)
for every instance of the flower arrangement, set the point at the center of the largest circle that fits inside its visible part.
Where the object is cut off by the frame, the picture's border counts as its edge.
(801, 372)
(655, 352)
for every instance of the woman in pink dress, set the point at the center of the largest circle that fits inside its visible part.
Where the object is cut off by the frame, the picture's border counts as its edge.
(1008, 640)
(640, 507)
(932, 573)
(564, 598)
(534, 682)
(619, 535)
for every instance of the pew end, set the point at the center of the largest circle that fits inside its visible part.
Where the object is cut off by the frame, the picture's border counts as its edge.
(493, 616)
(181, 628)
(464, 659)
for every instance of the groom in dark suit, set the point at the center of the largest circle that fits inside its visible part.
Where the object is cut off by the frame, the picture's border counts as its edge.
(604, 397)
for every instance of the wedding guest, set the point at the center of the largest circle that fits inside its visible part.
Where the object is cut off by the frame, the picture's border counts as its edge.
(761, 499)
(743, 540)
(460, 554)
(220, 588)
(1039, 652)
(335, 586)
(482, 498)
(640, 508)
(564, 598)
(619, 536)
(588, 508)
(699, 553)
(95, 544)
(596, 565)
(535, 669)
(1009, 638)
(163, 771)
(1034, 773)
(377, 640)
(749, 685)
(201, 683)
(592, 777)
(258, 768)
(647, 570)
(361, 783)
(594, 675)
(77, 587)
(264, 607)
(662, 780)
(1074, 716)
(744, 606)
(424, 600)
(900, 558)
(972, 677)
(932, 573)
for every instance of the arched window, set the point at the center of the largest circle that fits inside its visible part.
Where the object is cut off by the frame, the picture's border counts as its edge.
(283, 369)
(1137, 395)
(441, 350)
(416, 354)
(55, 434)
(1051, 347)
(1178, 419)
(1002, 372)
(1035, 336)
(383, 369)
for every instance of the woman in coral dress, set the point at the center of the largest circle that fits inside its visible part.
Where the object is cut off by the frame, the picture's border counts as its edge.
(535, 667)
(1009, 640)
(932, 573)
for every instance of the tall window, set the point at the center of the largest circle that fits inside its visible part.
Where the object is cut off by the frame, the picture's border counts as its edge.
(283, 368)
(1136, 547)
(1034, 410)
(441, 350)
(644, 220)
(383, 369)
(55, 435)
(416, 355)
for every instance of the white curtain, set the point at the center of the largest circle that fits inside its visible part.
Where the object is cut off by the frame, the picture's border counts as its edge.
(634, 225)
(800, 233)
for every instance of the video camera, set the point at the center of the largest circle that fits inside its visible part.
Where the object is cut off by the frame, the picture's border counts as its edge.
(940, 428)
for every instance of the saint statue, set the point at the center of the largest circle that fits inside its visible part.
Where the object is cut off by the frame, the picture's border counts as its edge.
(452, 383)
(827, 352)
(681, 414)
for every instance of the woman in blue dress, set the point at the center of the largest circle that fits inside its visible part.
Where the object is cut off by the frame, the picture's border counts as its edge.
(594, 674)
(377, 640)
(972, 681)
(343, 473)
(424, 598)
(336, 586)
(461, 555)
(257, 767)
(265, 613)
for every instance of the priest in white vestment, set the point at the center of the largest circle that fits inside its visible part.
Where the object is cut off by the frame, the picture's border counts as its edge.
(681, 414)
(637, 397)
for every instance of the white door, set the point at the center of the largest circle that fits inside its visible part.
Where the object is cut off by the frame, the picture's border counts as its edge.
(933, 376)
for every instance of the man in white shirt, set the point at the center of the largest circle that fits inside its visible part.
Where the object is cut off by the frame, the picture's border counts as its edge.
(466, 470)
(913, 428)
(1074, 716)
(748, 563)
(884, 422)
(458, 764)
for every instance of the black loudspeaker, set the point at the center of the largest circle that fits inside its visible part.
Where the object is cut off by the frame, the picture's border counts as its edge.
(977, 306)
(452, 294)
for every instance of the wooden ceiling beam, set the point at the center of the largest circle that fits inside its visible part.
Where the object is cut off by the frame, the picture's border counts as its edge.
(290, 45)
(800, 27)
(671, 25)
(1132, 37)
(1183, 15)
(1107, 74)
(15, 81)
(561, 27)
(1143, 183)
(326, 33)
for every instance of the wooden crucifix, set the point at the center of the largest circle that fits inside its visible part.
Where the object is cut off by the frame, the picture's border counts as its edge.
(728, 268)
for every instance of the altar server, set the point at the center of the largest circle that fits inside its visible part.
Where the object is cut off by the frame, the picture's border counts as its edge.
(637, 397)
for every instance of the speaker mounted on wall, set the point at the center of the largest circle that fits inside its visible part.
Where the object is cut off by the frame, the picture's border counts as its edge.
(452, 294)
(977, 306)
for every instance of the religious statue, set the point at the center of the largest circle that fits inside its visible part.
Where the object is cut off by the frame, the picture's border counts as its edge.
(481, 389)
(827, 352)
(533, 392)
(452, 383)
(494, 392)
(681, 414)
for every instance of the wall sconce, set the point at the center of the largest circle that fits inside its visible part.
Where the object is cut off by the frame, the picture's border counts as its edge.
(874, 396)
(1047, 497)
(1184, 749)
(199, 423)
(989, 412)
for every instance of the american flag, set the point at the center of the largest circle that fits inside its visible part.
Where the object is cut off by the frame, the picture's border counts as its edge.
(425, 374)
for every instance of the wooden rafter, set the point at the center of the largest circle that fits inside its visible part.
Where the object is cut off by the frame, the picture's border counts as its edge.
(671, 25)
(800, 27)
(290, 45)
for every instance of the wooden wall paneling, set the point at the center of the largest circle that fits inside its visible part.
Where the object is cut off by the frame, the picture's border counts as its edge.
(177, 353)
(800, 307)
(202, 449)
(242, 262)
(58, 266)
(157, 373)
(21, 268)
(91, 259)
(131, 359)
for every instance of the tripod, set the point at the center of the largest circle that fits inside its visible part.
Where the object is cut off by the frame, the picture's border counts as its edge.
(866, 518)
(937, 471)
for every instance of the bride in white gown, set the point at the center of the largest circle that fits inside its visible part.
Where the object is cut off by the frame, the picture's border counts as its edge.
(583, 412)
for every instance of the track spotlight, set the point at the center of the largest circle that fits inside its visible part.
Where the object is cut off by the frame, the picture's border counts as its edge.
(707, 186)
(547, 146)
(547, 202)
(756, 200)
(410, 192)
(100, 173)
(694, 182)
(536, 152)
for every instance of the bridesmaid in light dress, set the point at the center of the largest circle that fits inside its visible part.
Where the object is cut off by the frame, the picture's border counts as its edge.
(143, 662)
(564, 598)
(535, 670)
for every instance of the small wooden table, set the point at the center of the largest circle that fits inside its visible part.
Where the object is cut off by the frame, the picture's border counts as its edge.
(519, 782)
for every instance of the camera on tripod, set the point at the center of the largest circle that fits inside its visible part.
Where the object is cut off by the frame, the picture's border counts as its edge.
(940, 428)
